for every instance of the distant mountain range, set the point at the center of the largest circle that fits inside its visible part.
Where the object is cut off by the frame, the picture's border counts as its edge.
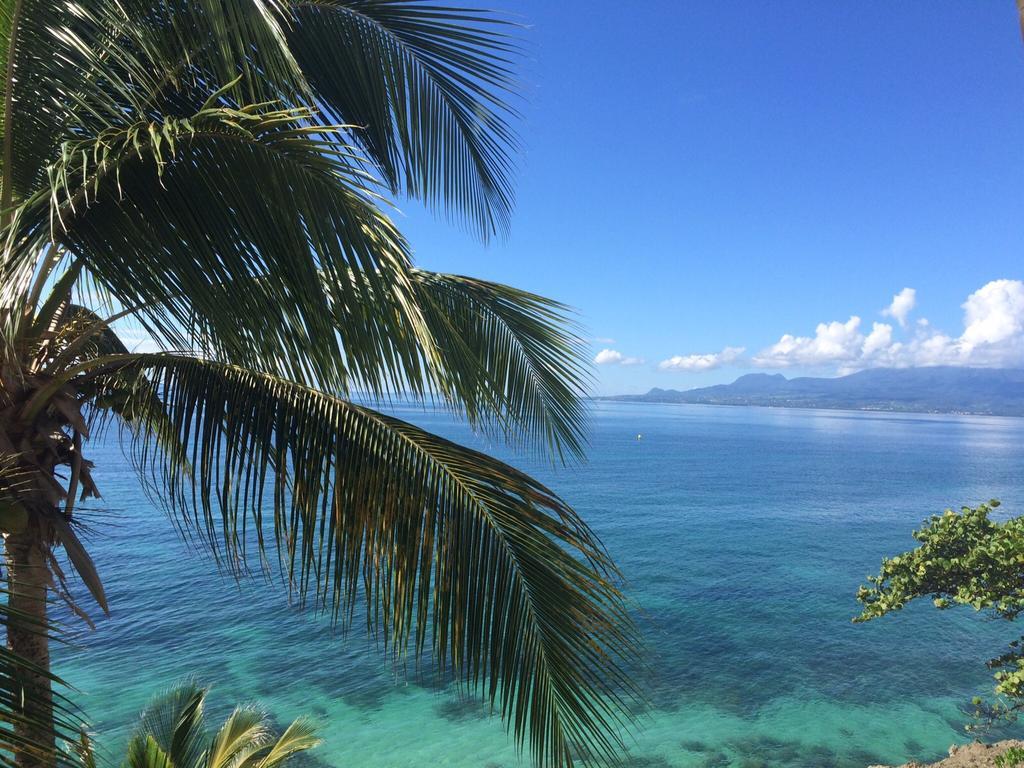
(923, 390)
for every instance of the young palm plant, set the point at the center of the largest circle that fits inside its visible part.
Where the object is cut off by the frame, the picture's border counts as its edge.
(214, 171)
(172, 734)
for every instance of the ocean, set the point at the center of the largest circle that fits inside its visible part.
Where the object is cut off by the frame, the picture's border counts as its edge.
(743, 534)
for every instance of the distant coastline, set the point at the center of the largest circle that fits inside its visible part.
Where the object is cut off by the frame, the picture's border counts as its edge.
(939, 390)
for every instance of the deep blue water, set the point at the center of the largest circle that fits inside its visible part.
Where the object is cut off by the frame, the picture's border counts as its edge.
(744, 534)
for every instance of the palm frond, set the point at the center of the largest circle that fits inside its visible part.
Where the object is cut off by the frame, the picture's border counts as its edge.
(427, 84)
(172, 727)
(287, 208)
(189, 43)
(509, 357)
(508, 360)
(172, 734)
(28, 120)
(146, 752)
(507, 583)
(243, 734)
(430, 86)
(112, 60)
(298, 737)
(64, 67)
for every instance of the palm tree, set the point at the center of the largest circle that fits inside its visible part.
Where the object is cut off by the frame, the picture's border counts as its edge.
(14, 668)
(215, 171)
(172, 734)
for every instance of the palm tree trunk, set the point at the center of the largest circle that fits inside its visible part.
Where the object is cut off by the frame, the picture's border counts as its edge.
(27, 575)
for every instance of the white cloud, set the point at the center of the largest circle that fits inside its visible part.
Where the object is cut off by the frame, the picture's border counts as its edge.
(833, 342)
(614, 357)
(992, 336)
(901, 306)
(993, 331)
(994, 314)
(702, 362)
(879, 339)
(608, 357)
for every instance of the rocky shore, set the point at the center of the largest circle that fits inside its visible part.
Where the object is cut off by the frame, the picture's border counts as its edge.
(967, 756)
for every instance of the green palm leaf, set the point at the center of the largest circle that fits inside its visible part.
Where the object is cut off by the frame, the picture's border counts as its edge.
(30, 118)
(172, 729)
(243, 735)
(509, 357)
(196, 257)
(435, 116)
(506, 582)
(172, 734)
(146, 752)
(298, 737)
(172, 50)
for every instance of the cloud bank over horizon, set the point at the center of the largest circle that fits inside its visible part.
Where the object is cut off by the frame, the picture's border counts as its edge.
(704, 362)
(992, 337)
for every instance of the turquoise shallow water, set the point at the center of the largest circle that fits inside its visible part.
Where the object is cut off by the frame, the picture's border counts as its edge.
(744, 534)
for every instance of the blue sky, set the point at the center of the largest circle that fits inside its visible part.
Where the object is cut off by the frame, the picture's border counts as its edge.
(709, 176)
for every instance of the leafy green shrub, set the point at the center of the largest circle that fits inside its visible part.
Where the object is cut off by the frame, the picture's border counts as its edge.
(1011, 758)
(964, 558)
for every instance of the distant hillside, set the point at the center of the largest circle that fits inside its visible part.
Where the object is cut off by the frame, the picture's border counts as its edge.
(924, 390)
